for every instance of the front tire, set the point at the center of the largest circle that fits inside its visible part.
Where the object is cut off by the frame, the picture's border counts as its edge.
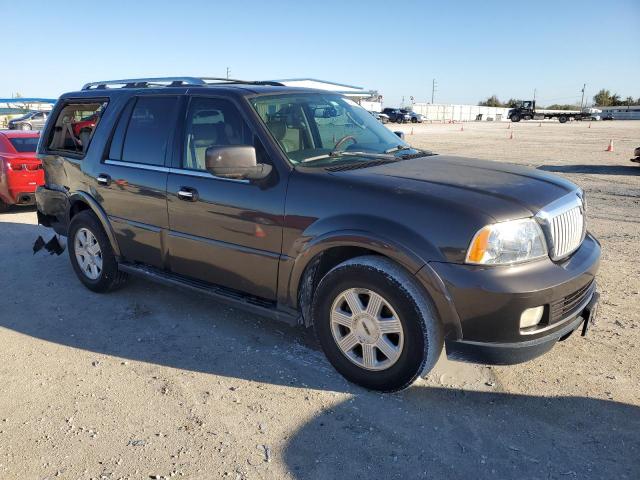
(4, 207)
(91, 254)
(25, 126)
(515, 118)
(377, 327)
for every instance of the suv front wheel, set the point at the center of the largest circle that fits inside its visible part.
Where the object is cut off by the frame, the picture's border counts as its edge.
(375, 324)
(91, 254)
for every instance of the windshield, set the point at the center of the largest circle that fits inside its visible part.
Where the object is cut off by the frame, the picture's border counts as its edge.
(320, 129)
(24, 144)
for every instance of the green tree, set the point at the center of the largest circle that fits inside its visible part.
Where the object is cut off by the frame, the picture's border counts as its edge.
(602, 98)
(492, 101)
(616, 100)
(558, 106)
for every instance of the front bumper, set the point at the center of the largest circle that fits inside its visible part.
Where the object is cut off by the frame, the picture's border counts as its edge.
(488, 303)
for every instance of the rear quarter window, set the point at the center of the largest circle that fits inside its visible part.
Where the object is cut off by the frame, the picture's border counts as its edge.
(74, 127)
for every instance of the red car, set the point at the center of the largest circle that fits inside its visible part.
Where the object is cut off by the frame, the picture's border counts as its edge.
(20, 171)
(86, 122)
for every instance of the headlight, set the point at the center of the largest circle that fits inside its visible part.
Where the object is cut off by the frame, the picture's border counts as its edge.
(506, 243)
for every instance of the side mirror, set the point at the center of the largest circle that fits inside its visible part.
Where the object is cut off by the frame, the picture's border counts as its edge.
(235, 161)
(400, 134)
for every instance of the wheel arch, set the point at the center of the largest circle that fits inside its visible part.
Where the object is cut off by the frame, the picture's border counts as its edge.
(325, 252)
(80, 201)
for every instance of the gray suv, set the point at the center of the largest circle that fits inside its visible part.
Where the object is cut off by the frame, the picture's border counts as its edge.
(297, 204)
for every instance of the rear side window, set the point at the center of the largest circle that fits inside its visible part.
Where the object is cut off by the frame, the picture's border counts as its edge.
(23, 145)
(74, 127)
(149, 130)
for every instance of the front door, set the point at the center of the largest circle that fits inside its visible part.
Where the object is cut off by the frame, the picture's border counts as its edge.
(222, 231)
(131, 182)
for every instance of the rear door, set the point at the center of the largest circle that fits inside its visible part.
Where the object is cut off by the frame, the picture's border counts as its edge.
(131, 184)
(222, 231)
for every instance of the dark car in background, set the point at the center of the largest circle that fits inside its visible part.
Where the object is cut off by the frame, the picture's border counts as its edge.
(29, 121)
(297, 204)
(396, 115)
(20, 171)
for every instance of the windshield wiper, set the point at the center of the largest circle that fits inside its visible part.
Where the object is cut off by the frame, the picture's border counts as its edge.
(398, 148)
(335, 154)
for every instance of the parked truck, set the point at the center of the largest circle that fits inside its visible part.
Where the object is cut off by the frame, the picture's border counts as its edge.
(526, 110)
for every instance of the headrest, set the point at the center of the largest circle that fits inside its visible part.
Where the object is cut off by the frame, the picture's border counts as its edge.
(278, 128)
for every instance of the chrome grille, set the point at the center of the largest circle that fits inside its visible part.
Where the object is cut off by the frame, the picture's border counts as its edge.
(564, 225)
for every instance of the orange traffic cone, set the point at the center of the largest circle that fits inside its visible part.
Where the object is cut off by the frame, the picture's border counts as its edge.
(462, 128)
(509, 127)
(589, 124)
(511, 136)
(411, 130)
(610, 147)
(540, 124)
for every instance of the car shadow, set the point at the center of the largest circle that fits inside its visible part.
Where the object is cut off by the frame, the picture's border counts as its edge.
(593, 169)
(423, 432)
(434, 433)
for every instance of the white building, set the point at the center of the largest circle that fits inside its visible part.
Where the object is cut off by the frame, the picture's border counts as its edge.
(621, 112)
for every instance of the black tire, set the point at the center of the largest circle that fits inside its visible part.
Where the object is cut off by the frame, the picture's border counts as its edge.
(515, 117)
(25, 126)
(527, 117)
(4, 207)
(562, 119)
(423, 335)
(414, 120)
(110, 277)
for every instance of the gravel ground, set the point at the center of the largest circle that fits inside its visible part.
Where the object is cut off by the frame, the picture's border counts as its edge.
(149, 382)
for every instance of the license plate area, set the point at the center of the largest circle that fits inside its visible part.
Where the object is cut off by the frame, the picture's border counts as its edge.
(590, 313)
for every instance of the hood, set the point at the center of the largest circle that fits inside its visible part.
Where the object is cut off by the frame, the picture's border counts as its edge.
(507, 190)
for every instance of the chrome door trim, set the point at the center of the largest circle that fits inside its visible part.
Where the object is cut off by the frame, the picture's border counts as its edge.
(140, 166)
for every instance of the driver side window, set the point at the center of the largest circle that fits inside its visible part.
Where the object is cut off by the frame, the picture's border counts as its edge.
(212, 122)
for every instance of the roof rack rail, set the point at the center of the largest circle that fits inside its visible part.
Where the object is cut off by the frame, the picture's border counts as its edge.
(172, 82)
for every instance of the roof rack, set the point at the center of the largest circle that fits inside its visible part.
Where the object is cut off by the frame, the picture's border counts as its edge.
(172, 82)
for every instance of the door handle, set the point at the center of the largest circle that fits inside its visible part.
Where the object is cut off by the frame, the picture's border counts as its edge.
(188, 194)
(103, 179)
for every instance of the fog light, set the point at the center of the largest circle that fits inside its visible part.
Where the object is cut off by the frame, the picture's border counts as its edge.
(531, 317)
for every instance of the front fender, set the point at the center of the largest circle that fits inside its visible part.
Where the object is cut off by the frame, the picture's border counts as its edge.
(294, 266)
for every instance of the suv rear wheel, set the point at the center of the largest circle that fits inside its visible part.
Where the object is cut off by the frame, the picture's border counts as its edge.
(375, 325)
(91, 254)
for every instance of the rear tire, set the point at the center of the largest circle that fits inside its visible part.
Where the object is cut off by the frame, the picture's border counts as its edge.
(91, 254)
(386, 350)
(562, 119)
(25, 126)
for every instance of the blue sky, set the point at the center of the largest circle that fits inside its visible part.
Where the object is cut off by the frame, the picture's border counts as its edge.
(473, 49)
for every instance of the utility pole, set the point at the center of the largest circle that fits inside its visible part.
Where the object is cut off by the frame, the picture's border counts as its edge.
(534, 94)
(434, 84)
(584, 86)
(228, 71)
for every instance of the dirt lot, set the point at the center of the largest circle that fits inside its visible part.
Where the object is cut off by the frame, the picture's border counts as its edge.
(149, 382)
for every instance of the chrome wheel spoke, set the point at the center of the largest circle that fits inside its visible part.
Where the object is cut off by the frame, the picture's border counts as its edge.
(391, 325)
(387, 349)
(355, 305)
(368, 356)
(342, 318)
(375, 305)
(347, 342)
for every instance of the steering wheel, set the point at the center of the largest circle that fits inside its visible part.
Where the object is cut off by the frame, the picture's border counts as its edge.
(342, 140)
